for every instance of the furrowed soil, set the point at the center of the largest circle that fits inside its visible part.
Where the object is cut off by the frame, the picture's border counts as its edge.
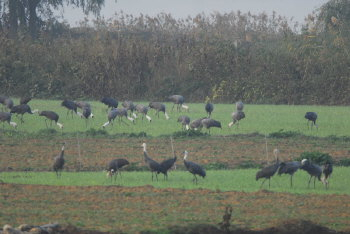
(136, 209)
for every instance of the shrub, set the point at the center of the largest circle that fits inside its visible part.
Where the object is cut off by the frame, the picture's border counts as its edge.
(284, 134)
(316, 157)
(344, 162)
(248, 164)
(216, 166)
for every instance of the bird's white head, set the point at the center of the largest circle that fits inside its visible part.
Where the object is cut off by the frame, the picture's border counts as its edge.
(185, 154)
(144, 146)
(13, 124)
(303, 162)
(60, 125)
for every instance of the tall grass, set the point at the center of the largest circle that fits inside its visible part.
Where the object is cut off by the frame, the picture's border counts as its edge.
(222, 180)
(263, 119)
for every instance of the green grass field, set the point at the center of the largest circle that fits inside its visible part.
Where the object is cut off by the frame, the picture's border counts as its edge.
(264, 119)
(222, 180)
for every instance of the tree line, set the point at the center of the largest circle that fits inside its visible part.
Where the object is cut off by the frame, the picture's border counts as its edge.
(218, 57)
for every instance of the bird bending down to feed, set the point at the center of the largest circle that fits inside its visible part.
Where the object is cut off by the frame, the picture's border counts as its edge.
(327, 171)
(114, 166)
(194, 168)
(71, 107)
(289, 168)
(152, 165)
(178, 100)
(25, 100)
(197, 124)
(130, 106)
(110, 102)
(185, 121)
(269, 171)
(21, 110)
(209, 123)
(313, 170)
(158, 107)
(6, 117)
(311, 116)
(236, 117)
(143, 110)
(59, 163)
(52, 116)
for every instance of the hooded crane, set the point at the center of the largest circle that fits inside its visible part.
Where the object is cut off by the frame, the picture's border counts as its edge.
(114, 166)
(313, 170)
(58, 163)
(185, 121)
(120, 112)
(178, 100)
(193, 168)
(52, 116)
(152, 165)
(8, 103)
(166, 165)
(236, 117)
(25, 100)
(142, 109)
(239, 106)
(289, 168)
(109, 102)
(21, 110)
(327, 171)
(269, 171)
(158, 107)
(130, 106)
(71, 106)
(209, 123)
(85, 107)
(6, 117)
(209, 107)
(311, 116)
(197, 124)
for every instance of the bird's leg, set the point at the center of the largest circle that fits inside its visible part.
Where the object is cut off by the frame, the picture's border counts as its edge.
(291, 181)
(314, 181)
(172, 109)
(263, 183)
(22, 121)
(124, 122)
(157, 176)
(67, 114)
(309, 182)
(46, 123)
(152, 175)
(269, 182)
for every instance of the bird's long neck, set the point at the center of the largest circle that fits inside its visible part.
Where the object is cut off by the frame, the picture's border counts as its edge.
(62, 152)
(185, 157)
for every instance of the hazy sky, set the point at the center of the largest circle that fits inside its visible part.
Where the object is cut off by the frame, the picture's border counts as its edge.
(298, 9)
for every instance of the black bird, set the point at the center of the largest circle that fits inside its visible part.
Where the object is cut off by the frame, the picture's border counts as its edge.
(58, 163)
(152, 165)
(2, 99)
(158, 107)
(194, 168)
(289, 168)
(185, 121)
(25, 100)
(71, 106)
(327, 171)
(209, 123)
(110, 102)
(197, 123)
(239, 106)
(142, 109)
(313, 170)
(82, 104)
(177, 100)
(114, 166)
(166, 165)
(269, 171)
(209, 107)
(52, 116)
(311, 116)
(21, 110)
(8, 103)
(6, 117)
(236, 117)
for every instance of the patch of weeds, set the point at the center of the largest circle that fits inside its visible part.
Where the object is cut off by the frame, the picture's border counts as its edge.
(316, 157)
(216, 166)
(284, 134)
(94, 132)
(47, 132)
(248, 164)
(345, 162)
(138, 135)
(189, 133)
(134, 167)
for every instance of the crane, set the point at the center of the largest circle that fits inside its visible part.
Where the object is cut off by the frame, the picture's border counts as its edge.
(58, 162)
(52, 116)
(152, 164)
(6, 117)
(21, 110)
(194, 168)
(185, 121)
(209, 107)
(236, 117)
(327, 171)
(311, 116)
(289, 168)
(142, 109)
(158, 107)
(209, 123)
(110, 102)
(178, 100)
(268, 171)
(313, 170)
(114, 166)
(70, 105)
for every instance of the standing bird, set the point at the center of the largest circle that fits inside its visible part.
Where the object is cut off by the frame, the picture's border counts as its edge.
(71, 106)
(177, 100)
(52, 116)
(327, 171)
(236, 117)
(143, 110)
(311, 116)
(158, 107)
(208, 123)
(58, 163)
(25, 100)
(239, 106)
(6, 117)
(166, 165)
(209, 107)
(269, 171)
(21, 110)
(289, 168)
(110, 102)
(313, 170)
(114, 166)
(152, 165)
(193, 168)
(185, 121)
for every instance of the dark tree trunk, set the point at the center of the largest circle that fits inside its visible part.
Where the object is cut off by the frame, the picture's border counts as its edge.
(33, 18)
(13, 18)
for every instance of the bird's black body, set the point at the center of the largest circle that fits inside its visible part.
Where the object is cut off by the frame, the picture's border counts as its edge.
(157, 106)
(115, 165)
(209, 107)
(5, 117)
(59, 163)
(184, 120)
(239, 106)
(289, 168)
(313, 170)
(70, 105)
(8, 103)
(236, 117)
(120, 112)
(166, 165)
(82, 104)
(311, 116)
(177, 100)
(86, 112)
(267, 172)
(21, 110)
(110, 102)
(50, 115)
(197, 123)
(327, 171)
(152, 164)
(209, 123)
(129, 105)
(142, 109)
(194, 168)
(25, 100)
(2, 99)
